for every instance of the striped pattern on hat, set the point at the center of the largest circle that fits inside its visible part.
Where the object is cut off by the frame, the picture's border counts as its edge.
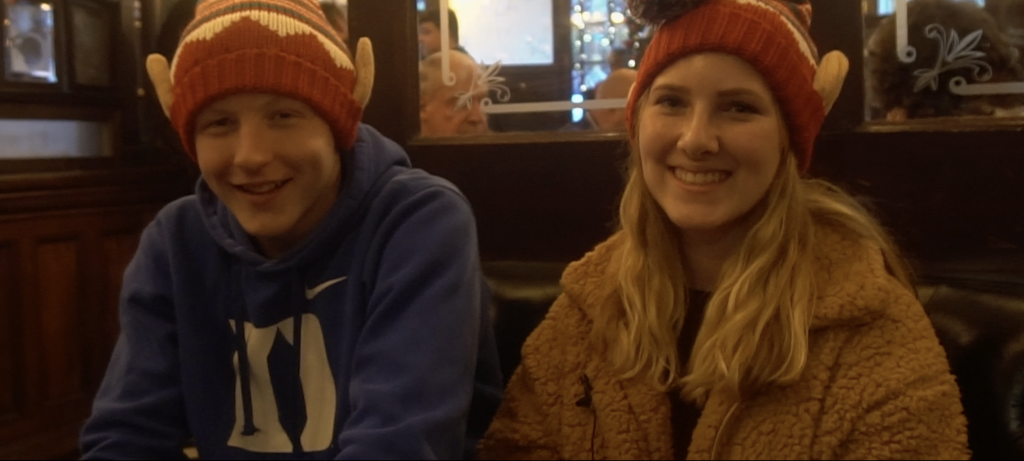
(283, 47)
(772, 36)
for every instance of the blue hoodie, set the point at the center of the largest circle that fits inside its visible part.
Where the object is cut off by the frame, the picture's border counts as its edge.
(372, 339)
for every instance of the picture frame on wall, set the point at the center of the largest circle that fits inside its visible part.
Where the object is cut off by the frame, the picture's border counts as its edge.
(92, 42)
(29, 49)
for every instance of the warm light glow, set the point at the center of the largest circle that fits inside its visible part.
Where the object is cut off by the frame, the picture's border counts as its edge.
(577, 20)
(45, 7)
(618, 18)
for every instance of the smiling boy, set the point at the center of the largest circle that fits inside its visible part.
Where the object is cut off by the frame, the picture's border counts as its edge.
(317, 297)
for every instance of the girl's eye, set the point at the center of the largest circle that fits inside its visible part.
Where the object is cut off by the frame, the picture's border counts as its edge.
(283, 115)
(743, 108)
(670, 101)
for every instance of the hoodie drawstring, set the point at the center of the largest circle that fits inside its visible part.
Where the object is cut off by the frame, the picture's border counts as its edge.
(249, 428)
(298, 301)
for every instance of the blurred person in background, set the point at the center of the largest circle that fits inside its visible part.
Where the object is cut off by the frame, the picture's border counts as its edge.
(452, 110)
(430, 32)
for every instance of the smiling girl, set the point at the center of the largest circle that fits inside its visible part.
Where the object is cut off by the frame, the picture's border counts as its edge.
(742, 310)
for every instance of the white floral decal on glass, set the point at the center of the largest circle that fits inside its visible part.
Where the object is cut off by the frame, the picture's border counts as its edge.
(953, 54)
(956, 53)
(490, 80)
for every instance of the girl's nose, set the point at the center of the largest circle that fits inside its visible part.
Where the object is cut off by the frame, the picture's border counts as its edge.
(699, 138)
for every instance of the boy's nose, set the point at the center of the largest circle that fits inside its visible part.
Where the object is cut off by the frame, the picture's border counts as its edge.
(254, 148)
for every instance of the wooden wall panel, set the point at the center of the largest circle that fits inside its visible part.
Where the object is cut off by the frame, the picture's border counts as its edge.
(64, 320)
(8, 305)
(60, 328)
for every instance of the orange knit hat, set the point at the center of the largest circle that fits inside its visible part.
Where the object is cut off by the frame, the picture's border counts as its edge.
(770, 35)
(283, 47)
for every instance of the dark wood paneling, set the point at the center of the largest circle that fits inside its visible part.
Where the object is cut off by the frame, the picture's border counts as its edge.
(67, 229)
(539, 198)
(944, 194)
(8, 303)
(64, 320)
(60, 334)
(90, 189)
(45, 441)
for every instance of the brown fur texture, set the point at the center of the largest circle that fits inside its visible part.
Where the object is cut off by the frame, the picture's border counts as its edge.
(876, 386)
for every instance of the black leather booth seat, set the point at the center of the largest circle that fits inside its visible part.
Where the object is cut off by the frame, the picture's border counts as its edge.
(977, 309)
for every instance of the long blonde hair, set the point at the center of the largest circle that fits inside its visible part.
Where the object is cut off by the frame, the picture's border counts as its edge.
(756, 327)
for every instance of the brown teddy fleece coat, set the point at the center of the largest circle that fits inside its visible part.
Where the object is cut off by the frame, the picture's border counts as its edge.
(876, 386)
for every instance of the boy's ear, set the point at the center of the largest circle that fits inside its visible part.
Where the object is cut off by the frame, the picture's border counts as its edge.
(828, 80)
(160, 74)
(364, 72)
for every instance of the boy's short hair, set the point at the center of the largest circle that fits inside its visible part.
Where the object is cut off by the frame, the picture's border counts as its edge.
(433, 15)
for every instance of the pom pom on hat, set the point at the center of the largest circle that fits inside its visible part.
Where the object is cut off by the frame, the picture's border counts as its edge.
(283, 47)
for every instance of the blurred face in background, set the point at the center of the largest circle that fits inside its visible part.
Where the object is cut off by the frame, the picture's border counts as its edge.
(452, 110)
(616, 86)
(430, 38)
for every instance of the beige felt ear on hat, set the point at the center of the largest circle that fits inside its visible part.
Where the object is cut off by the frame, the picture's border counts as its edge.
(364, 72)
(828, 81)
(160, 74)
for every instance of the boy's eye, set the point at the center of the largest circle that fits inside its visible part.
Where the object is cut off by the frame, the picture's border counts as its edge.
(216, 123)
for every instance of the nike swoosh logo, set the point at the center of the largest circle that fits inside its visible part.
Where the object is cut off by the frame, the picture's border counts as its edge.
(312, 292)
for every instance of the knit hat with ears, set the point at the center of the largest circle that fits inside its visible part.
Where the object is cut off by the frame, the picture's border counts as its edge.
(770, 35)
(282, 47)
